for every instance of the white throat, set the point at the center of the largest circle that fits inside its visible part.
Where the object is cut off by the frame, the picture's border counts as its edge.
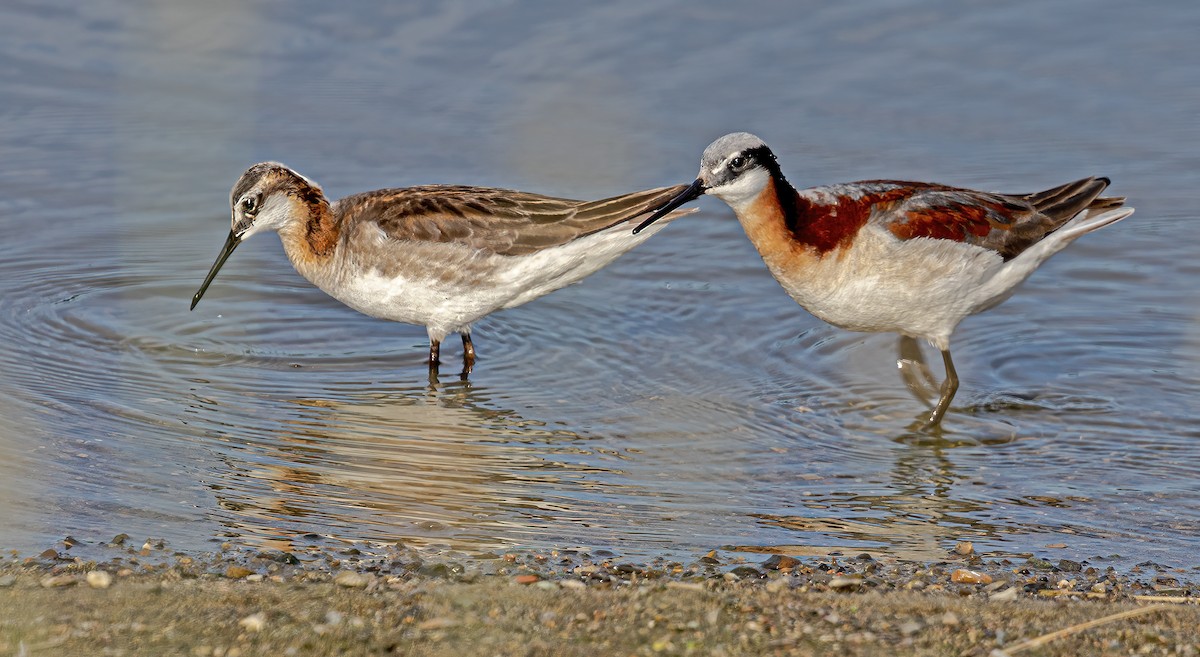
(743, 190)
(277, 213)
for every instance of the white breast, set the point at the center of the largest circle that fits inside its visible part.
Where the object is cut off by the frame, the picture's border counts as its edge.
(919, 287)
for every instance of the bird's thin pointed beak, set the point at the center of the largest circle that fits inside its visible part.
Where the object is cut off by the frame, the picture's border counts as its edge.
(231, 243)
(692, 192)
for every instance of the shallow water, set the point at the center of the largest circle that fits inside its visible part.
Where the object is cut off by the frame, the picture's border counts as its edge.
(675, 402)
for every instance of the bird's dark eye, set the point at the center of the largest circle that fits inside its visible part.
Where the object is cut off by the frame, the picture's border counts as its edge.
(737, 163)
(249, 204)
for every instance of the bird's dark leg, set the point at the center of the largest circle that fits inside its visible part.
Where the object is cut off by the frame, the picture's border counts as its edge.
(949, 387)
(468, 355)
(435, 350)
(917, 377)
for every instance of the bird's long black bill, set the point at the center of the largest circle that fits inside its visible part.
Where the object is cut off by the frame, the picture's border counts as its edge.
(692, 192)
(231, 243)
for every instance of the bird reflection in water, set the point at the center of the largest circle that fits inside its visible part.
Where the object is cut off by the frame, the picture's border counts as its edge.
(917, 515)
(437, 466)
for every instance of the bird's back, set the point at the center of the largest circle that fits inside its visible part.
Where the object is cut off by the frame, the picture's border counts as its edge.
(1006, 224)
(495, 221)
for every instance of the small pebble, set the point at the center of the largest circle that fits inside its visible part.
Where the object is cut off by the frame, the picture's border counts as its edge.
(995, 586)
(964, 576)
(99, 579)
(964, 548)
(437, 570)
(55, 581)
(351, 579)
(436, 624)
(526, 579)
(949, 618)
(7, 581)
(254, 622)
(777, 585)
(780, 562)
(748, 572)
(1007, 594)
(237, 572)
(844, 583)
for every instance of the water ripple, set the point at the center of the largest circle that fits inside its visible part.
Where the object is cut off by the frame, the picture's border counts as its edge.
(676, 401)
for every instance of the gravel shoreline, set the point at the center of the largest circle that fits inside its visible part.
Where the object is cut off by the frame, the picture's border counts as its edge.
(148, 601)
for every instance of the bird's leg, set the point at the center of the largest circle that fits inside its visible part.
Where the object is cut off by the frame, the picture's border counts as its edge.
(917, 377)
(435, 350)
(949, 387)
(468, 355)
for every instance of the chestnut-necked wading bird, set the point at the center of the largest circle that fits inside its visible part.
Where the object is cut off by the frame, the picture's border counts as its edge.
(889, 256)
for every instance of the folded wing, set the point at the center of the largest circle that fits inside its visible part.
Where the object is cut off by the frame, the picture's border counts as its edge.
(499, 221)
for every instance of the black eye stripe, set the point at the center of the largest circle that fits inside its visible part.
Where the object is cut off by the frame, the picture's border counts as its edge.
(761, 154)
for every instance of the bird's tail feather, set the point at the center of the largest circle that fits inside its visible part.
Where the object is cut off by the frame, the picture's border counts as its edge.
(1096, 216)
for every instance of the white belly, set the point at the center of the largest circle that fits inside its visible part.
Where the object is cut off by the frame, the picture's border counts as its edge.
(446, 287)
(919, 287)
